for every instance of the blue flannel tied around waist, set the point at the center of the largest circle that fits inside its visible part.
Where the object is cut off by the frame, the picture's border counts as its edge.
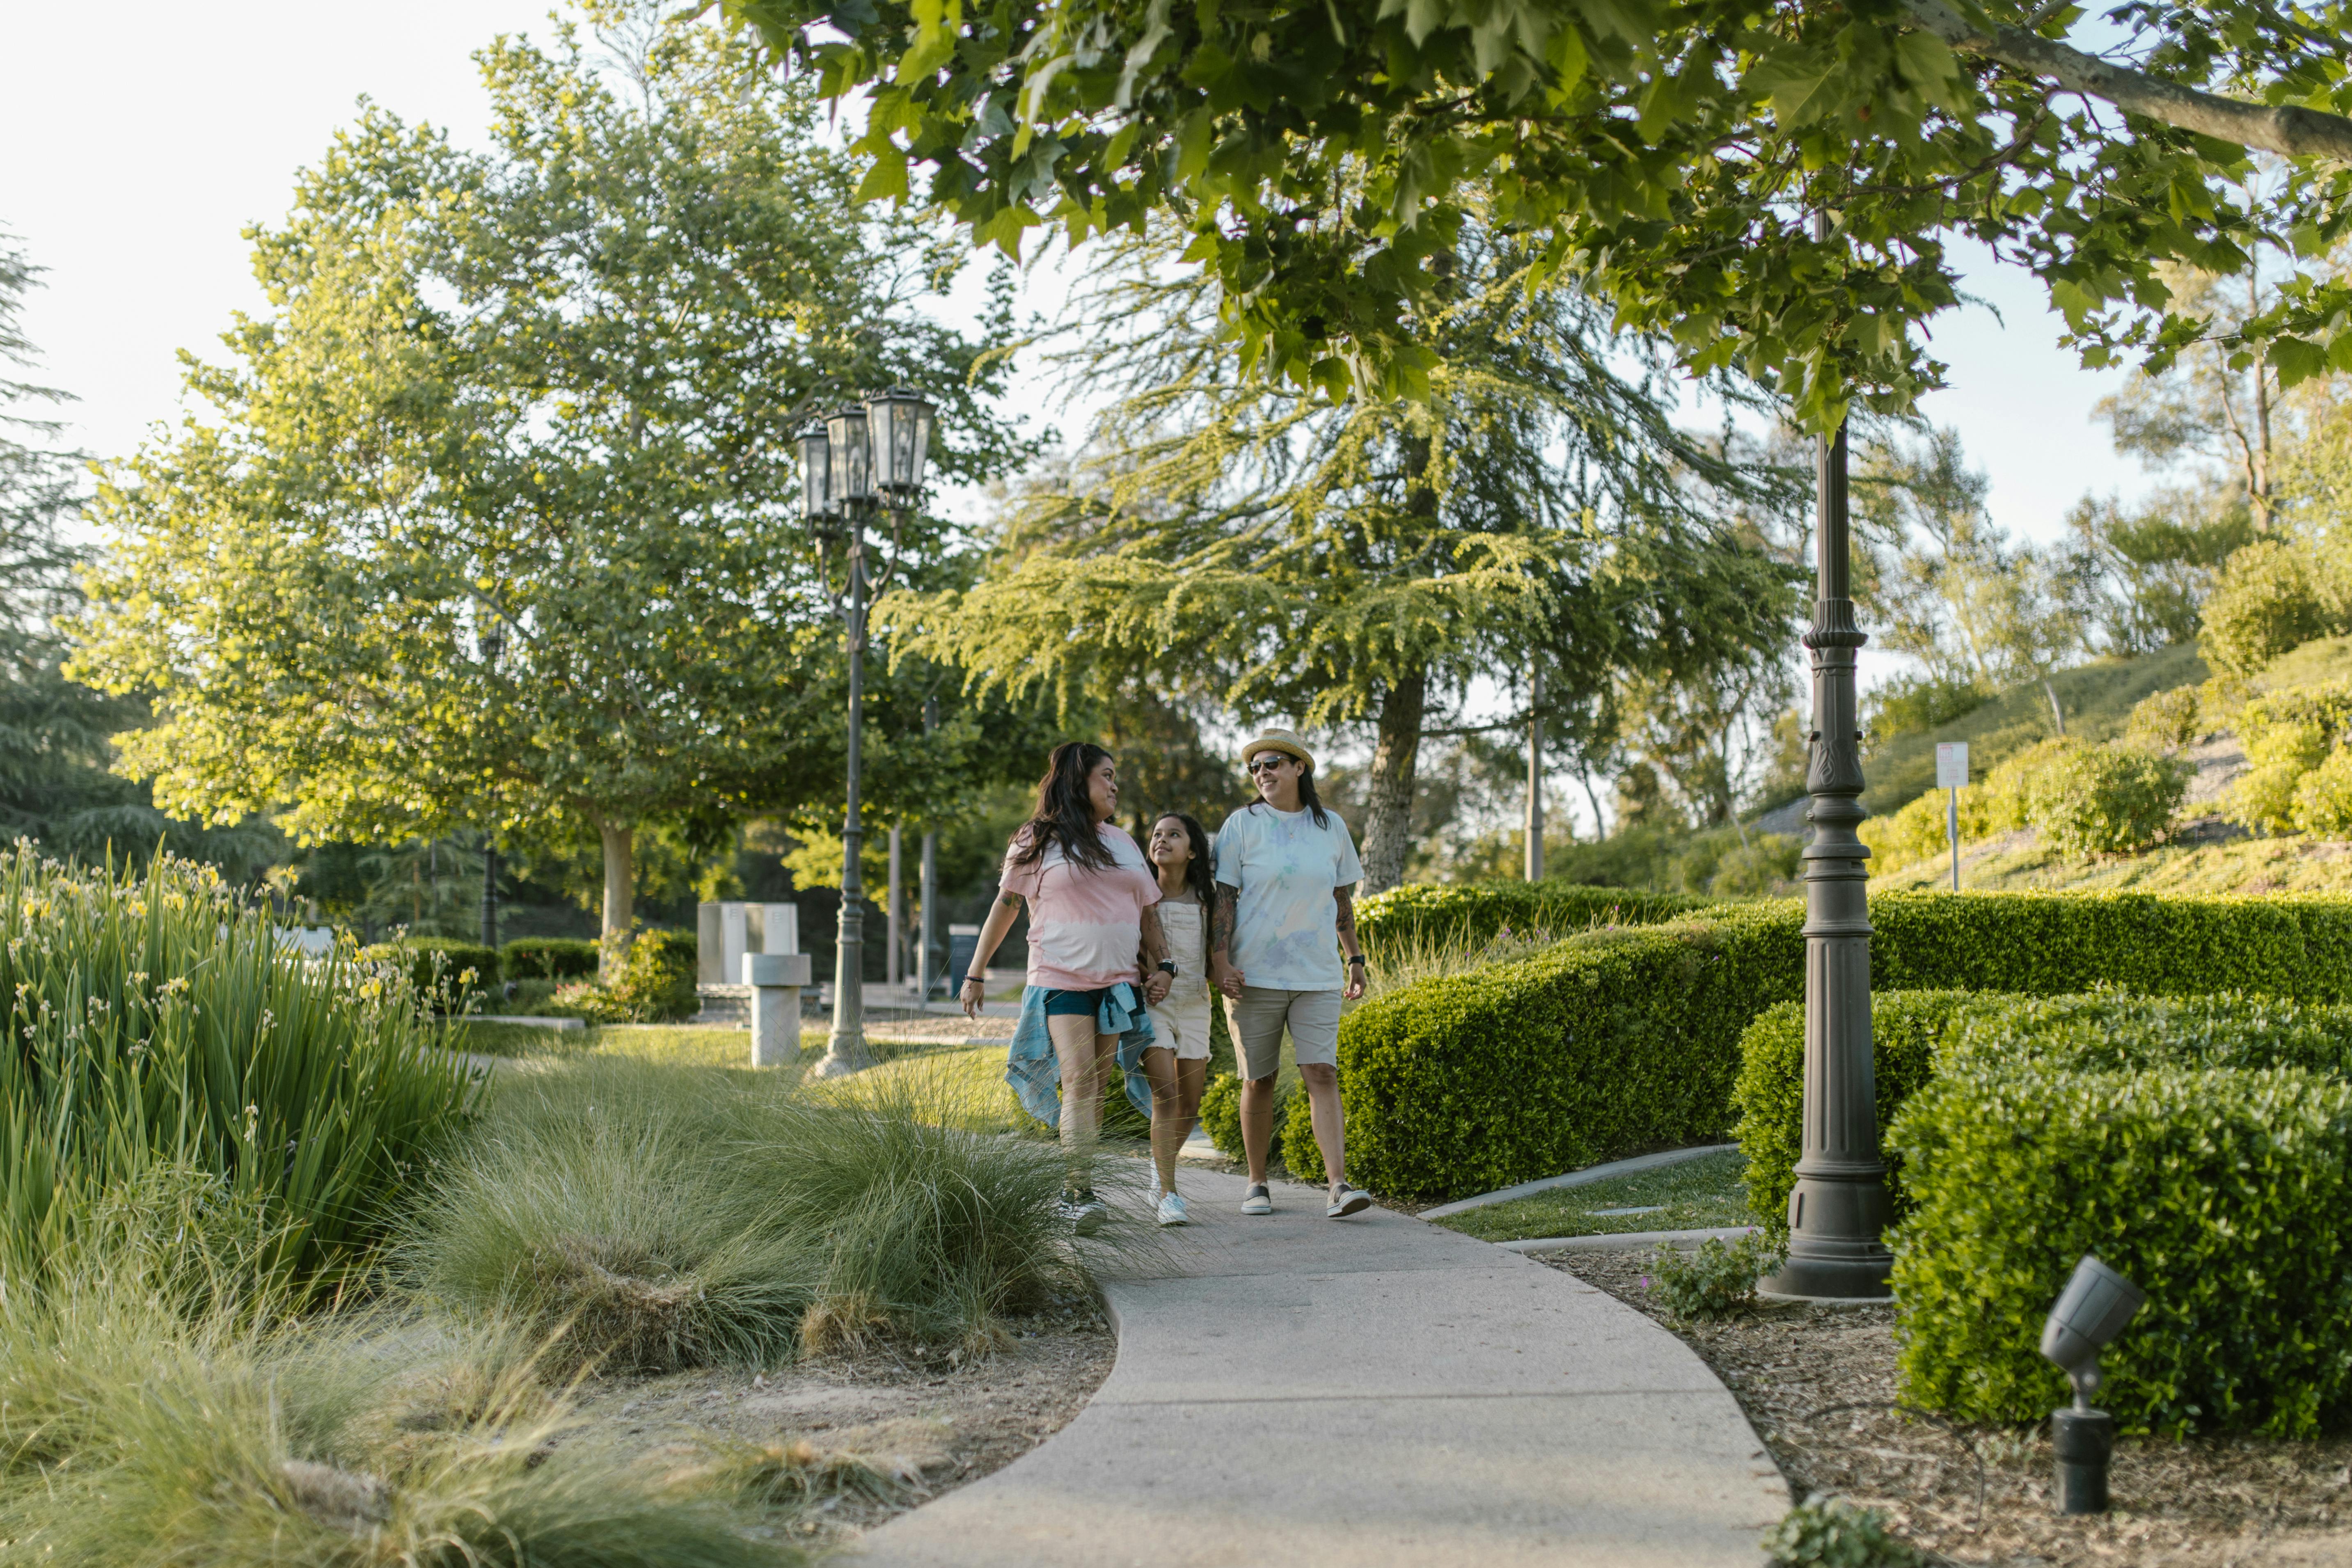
(1036, 1072)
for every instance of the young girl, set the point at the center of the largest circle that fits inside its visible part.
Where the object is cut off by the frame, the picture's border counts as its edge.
(1178, 1066)
(1091, 896)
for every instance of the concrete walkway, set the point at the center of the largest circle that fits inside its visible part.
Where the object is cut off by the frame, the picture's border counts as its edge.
(1372, 1393)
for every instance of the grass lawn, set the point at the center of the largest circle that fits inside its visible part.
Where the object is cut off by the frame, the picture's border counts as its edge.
(1697, 1194)
(679, 1043)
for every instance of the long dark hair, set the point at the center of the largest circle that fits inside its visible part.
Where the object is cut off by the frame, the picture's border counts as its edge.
(1065, 812)
(1306, 796)
(1198, 880)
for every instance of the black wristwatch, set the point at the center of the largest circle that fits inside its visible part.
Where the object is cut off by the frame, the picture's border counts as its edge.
(1355, 958)
(1168, 966)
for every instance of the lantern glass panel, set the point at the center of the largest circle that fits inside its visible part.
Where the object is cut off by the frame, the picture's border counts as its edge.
(852, 459)
(900, 422)
(816, 501)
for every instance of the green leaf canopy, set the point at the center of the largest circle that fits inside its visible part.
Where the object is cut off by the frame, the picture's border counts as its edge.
(1324, 154)
(538, 401)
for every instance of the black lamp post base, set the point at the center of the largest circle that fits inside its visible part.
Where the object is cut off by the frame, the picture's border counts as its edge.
(1857, 1275)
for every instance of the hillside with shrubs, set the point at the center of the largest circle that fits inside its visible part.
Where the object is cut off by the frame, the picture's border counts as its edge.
(2239, 782)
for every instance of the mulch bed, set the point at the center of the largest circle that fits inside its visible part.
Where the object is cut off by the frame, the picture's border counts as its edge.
(943, 1421)
(1818, 1383)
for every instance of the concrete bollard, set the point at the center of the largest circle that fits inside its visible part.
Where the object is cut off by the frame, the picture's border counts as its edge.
(775, 979)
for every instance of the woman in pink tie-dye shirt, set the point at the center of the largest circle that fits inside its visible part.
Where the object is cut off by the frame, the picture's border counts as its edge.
(1092, 907)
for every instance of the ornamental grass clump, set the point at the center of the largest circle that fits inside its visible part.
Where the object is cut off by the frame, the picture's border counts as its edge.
(678, 1216)
(135, 1430)
(156, 1020)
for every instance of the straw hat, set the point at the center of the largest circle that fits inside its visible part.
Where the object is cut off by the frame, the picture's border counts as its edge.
(1282, 741)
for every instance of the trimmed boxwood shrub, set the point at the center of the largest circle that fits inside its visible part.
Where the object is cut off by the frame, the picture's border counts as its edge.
(1914, 1034)
(548, 958)
(1221, 1119)
(2225, 1194)
(437, 966)
(1620, 1040)
(1475, 912)
(1294, 1127)
(1905, 1028)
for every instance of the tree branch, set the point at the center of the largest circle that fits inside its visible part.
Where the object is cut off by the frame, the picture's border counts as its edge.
(2286, 129)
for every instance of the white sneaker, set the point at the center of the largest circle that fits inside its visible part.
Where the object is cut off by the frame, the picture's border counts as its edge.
(1258, 1200)
(1171, 1210)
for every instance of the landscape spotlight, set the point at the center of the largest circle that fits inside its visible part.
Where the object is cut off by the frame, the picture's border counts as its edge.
(2091, 1312)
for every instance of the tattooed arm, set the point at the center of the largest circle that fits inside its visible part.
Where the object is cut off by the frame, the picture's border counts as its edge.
(991, 933)
(1222, 972)
(1346, 899)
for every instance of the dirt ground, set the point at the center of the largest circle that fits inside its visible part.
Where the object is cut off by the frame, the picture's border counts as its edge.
(1817, 1382)
(917, 1421)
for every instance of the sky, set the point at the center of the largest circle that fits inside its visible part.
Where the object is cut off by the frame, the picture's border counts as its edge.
(145, 137)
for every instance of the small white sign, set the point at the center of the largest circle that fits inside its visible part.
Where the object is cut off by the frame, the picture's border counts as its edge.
(1951, 765)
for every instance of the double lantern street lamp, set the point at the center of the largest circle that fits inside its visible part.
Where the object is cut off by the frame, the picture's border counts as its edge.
(855, 461)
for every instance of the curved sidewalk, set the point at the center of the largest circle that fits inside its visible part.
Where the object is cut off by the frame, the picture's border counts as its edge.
(1372, 1393)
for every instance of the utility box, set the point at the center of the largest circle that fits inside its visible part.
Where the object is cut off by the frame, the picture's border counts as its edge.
(725, 932)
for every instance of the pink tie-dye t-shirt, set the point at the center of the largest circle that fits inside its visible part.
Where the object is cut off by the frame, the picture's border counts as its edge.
(1085, 926)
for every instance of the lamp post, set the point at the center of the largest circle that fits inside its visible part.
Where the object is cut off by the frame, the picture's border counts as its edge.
(924, 974)
(492, 642)
(1839, 1207)
(864, 457)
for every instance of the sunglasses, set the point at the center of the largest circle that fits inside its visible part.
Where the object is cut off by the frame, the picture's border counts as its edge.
(1266, 765)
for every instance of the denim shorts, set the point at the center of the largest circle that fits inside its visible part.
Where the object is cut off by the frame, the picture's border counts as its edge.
(1075, 1004)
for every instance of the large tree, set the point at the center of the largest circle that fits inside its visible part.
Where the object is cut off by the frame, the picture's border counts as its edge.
(1326, 155)
(56, 733)
(1226, 536)
(540, 400)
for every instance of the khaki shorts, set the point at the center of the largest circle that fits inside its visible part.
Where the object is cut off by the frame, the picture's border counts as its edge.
(1183, 1027)
(1258, 1020)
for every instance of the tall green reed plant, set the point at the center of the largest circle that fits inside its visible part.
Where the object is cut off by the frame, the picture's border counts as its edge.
(153, 1017)
(1411, 959)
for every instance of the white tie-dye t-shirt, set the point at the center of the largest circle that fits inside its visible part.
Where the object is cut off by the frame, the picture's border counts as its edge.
(1286, 922)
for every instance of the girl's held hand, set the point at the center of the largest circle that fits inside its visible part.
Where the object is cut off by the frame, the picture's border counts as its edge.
(973, 994)
(1225, 978)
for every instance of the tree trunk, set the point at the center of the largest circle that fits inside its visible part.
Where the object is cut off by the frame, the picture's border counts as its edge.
(1388, 819)
(620, 890)
(2057, 715)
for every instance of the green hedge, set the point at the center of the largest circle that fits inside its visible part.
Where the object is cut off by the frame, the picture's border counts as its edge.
(437, 966)
(1914, 1032)
(1293, 1133)
(1905, 1028)
(1474, 913)
(1619, 1040)
(2225, 1194)
(548, 958)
